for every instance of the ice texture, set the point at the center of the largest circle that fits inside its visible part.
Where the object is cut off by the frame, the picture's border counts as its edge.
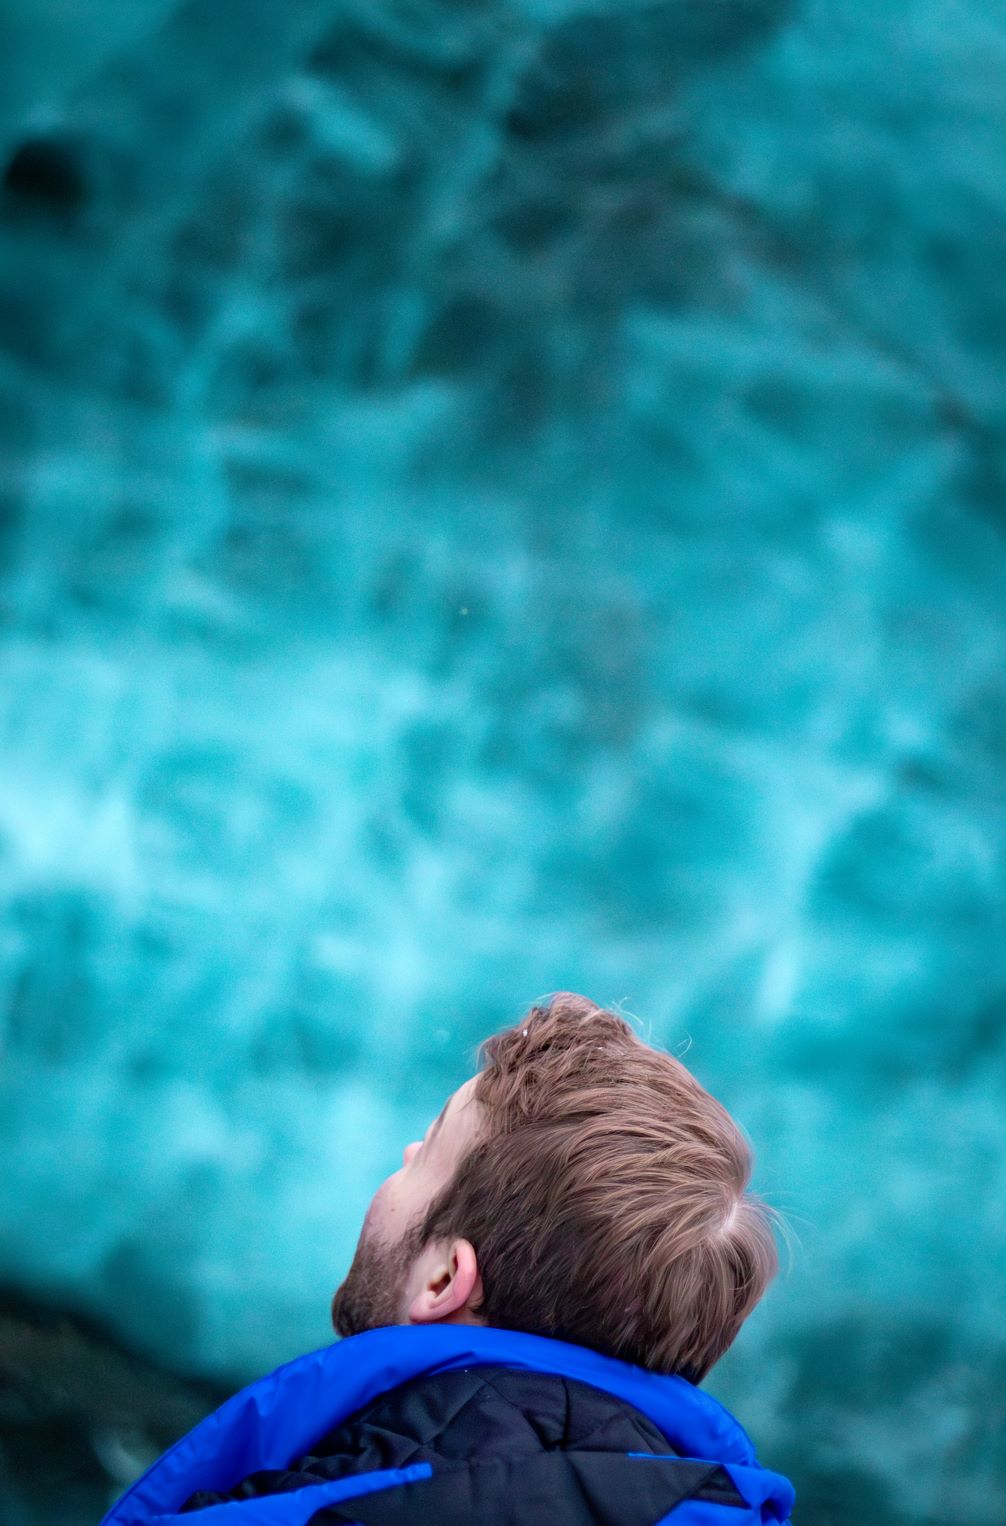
(497, 498)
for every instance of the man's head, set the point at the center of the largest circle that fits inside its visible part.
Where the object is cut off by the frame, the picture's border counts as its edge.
(582, 1186)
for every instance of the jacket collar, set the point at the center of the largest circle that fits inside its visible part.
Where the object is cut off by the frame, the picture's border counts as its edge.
(280, 1416)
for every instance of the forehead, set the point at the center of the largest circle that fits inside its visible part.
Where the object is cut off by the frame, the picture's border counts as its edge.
(459, 1119)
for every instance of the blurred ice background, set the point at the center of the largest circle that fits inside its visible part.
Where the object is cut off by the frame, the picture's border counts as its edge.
(500, 497)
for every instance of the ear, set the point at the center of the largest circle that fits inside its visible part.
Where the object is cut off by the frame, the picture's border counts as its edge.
(451, 1288)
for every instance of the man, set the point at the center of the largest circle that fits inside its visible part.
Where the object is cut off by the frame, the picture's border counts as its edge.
(535, 1296)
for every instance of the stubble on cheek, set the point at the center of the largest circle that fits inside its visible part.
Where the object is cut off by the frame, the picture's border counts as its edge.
(373, 1292)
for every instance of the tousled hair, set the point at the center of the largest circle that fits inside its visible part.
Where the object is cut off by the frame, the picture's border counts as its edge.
(605, 1195)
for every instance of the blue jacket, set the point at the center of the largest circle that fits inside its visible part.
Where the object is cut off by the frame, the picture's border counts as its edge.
(709, 1477)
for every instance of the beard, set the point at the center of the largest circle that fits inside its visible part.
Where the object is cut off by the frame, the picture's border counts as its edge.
(373, 1291)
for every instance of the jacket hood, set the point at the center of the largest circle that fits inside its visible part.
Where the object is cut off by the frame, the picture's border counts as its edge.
(280, 1416)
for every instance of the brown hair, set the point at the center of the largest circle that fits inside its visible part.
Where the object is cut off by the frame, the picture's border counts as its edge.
(605, 1195)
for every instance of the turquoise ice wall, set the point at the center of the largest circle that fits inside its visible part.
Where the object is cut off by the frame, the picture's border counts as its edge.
(493, 498)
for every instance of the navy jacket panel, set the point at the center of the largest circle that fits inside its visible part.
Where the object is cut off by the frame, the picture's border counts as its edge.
(458, 1417)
